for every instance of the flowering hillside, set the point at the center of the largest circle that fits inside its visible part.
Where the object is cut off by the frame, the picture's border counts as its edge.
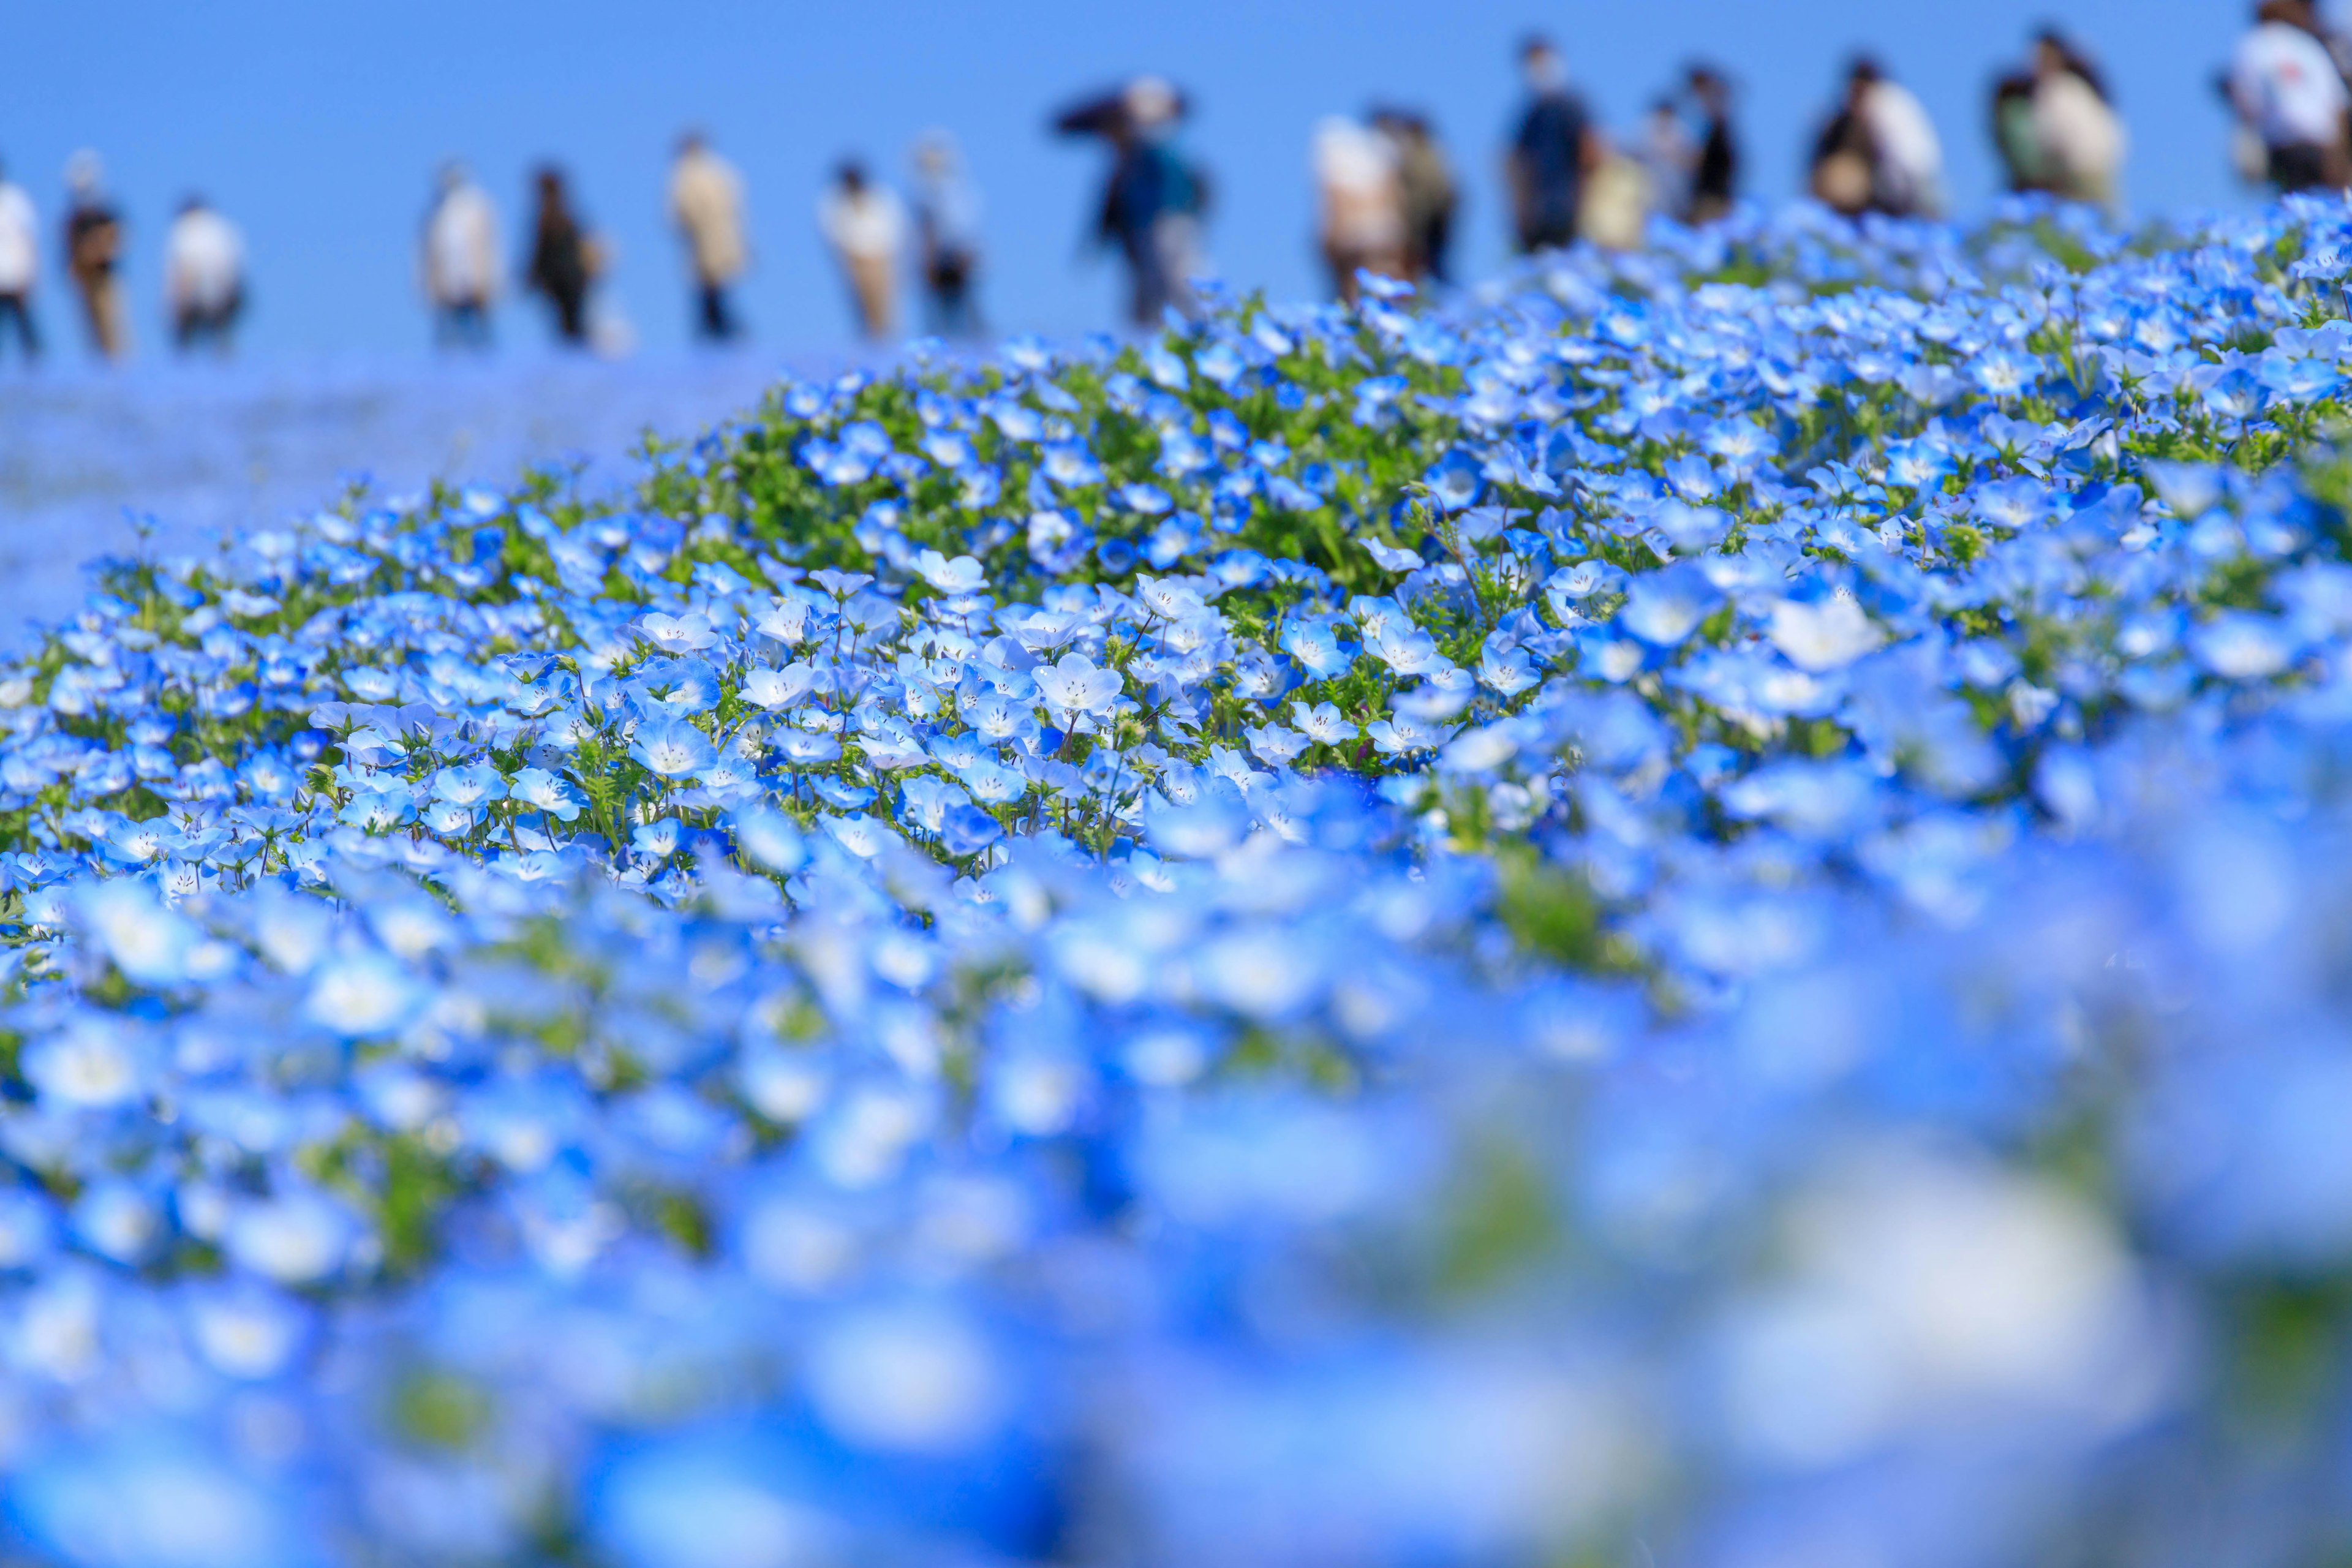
(1698, 911)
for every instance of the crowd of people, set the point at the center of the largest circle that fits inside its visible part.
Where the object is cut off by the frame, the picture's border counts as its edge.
(1387, 195)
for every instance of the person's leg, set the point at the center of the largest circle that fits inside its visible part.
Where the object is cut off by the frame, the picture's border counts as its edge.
(12, 313)
(711, 318)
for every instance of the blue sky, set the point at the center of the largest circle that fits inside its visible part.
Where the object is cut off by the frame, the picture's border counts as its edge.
(317, 126)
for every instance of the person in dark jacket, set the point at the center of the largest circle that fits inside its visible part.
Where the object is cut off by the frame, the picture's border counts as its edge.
(562, 257)
(1715, 182)
(1155, 199)
(1555, 148)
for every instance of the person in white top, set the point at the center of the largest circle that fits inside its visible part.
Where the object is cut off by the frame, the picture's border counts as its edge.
(458, 259)
(2080, 138)
(867, 228)
(706, 203)
(20, 263)
(1361, 200)
(204, 277)
(1906, 157)
(2286, 89)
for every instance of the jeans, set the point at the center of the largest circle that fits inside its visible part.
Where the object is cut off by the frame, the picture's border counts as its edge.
(16, 308)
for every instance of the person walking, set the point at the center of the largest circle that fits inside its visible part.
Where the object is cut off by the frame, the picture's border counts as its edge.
(1360, 198)
(93, 247)
(706, 203)
(1668, 157)
(947, 232)
(1554, 150)
(1426, 185)
(563, 258)
(20, 266)
(1715, 181)
(204, 277)
(1154, 199)
(460, 260)
(2285, 88)
(865, 227)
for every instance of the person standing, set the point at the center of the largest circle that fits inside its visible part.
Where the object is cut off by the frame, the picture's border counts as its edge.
(563, 259)
(460, 260)
(1154, 198)
(1361, 203)
(2078, 139)
(2284, 87)
(1426, 181)
(1556, 147)
(706, 203)
(1715, 182)
(20, 263)
(1879, 152)
(94, 256)
(1668, 157)
(204, 277)
(865, 227)
(947, 230)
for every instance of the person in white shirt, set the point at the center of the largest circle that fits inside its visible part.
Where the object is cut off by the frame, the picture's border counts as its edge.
(2078, 136)
(1361, 201)
(458, 259)
(1906, 157)
(2286, 89)
(20, 263)
(706, 201)
(204, 277)
(867, 228)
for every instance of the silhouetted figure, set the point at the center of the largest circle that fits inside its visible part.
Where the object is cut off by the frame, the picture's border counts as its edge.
(20, 266)
(706, 201)
(1879, 152)
(946, 229)
(1715, 181)
(1155, 198)
(562, 259)
(1555, 148)
(1426, 181)
(867, 228)
(1361, 202)
(204, 277)
(458, 260)
(2077, 139)
(2285, 86)
(94, 256)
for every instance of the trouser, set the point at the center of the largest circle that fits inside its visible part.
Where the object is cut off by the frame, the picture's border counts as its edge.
(713, 318)
(1164, 257)
(2300, 167)
(571, 314)
(101, 306)
(198, 325)
(463, 323)
(15, 310)
(873, 290)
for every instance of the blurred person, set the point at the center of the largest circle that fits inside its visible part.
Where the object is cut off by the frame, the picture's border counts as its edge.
(706, 203)
(1616, 201)
(1668, 156)
(2286, 89)
(20, 265)
(1360, 201)
(565, 259)
(460, 261)
(1154, 199)
(1427, 185)
(867, 228)
(1715, 181)
(204, 277)
(947, 235)
(2015, 136)
(1554, 149)
(93, 247)
(2079, 137)
(1879, 152)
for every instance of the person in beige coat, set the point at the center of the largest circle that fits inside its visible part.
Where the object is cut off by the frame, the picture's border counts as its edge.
(706, 203)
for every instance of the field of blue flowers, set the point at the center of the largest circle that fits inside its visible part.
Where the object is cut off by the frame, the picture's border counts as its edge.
(1695, 911)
